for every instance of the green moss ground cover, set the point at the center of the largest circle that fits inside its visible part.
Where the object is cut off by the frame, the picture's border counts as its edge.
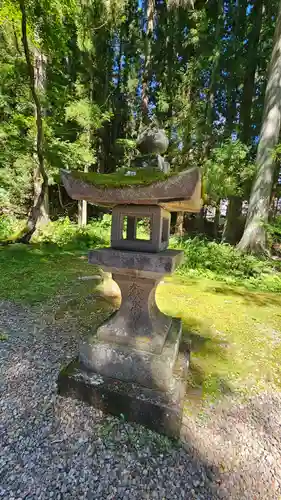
(230, 304)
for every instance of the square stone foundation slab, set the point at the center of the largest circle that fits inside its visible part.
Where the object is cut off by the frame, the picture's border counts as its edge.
(123, 362)
(158, 410)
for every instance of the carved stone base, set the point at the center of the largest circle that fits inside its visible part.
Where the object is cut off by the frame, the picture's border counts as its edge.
(160, 411)
(138, 323)
(134, 365)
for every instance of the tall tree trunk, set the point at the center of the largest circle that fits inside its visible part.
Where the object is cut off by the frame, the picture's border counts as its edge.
(254, 237)
(217, 219)
(39, 83)
(83, 209)
(35, 211)
(238, 9)
(200, 221)
(213, 80)
(250, 72)
(231, 233)
(82, 213)
(147, 58)
(231, 227)
(179, 224)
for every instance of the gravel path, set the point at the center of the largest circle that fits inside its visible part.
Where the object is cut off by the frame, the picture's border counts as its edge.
(58, 448)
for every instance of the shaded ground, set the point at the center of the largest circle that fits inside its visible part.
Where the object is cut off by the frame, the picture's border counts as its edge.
(58, 448)
(244, 443)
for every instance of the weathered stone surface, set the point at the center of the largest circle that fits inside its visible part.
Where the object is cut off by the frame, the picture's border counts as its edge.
(130, 366)
(159, 228)
(108, 288)
(151, 265)
(134, 364)
(158, 410)
(138, 322)
(152, 140)
(151, 161)
(184, 188)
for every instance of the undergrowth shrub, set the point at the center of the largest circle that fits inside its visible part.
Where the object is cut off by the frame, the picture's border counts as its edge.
(274, 235)
(274, 229)
(64, 232)
(222, 259)
(202, 257)
(8, 225)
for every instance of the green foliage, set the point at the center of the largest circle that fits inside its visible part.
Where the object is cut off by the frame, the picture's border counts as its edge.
(128, 148)
(68, 155)
(97, 56)
(8, 225)
(220, 258)
(229, 170)
(66, 234)
(87, 115)
(224, 262)
(16, 131)
(274, 230)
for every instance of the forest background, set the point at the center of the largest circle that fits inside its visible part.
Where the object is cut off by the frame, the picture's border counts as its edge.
(79, 80)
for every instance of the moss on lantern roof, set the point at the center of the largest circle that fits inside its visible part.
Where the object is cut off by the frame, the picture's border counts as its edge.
(142, 177)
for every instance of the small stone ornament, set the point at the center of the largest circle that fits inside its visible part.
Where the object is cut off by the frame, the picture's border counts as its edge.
(152, 143)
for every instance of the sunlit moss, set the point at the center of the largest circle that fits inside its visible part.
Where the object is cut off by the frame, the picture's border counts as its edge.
(142, 177)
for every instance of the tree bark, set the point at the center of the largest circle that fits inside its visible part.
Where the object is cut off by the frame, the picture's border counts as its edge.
(179, 224)
(254, 237)
(83, 205)
(38, 201)
(250, 73)
(82, 213)
(238, 8)
(39, 82)
(213, 80)
(231, 227)
(147, 58)
(231, 233)
(217, 219)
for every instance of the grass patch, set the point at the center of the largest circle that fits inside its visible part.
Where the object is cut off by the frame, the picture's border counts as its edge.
(52, 263)
(33, 274)
(142, 177)
(229, 314)
(235, 337)
(235, 333)
(54, 259)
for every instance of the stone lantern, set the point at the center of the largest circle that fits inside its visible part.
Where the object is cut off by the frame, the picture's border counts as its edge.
(134, 363)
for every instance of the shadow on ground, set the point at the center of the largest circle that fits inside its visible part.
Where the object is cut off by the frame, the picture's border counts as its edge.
(203, 345)
(256, 298)
(48, 443)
